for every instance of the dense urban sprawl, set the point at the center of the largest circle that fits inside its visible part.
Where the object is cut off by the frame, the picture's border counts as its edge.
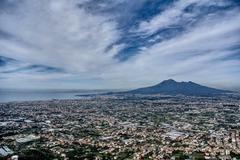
(122, 127)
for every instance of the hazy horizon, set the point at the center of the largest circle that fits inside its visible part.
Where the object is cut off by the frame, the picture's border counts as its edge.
(96, 89)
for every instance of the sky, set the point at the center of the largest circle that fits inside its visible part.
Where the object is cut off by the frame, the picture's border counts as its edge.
(118, 44)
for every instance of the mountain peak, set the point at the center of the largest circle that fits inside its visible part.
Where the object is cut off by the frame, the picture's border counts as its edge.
(169, 81)
(172, 87)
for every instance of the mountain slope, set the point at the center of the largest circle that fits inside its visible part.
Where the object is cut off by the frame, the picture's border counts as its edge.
(171, 87)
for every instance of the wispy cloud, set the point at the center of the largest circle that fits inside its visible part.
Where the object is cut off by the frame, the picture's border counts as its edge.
(59, 34)
(177, 14)
(77, 44)
(203, 54)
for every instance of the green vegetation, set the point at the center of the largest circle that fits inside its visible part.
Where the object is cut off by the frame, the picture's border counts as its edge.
(234, 155)
(36, 154)
(87, 133)
(180, 155)
(88, 152)
(127, 154)
(198, 156)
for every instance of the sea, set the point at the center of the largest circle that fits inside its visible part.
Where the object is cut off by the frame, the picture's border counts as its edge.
(19, 95)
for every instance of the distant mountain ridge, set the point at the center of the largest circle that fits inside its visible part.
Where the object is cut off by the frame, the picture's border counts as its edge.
(171, 87)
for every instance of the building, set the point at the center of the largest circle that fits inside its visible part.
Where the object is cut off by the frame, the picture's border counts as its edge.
(26, 140)
(5, 151)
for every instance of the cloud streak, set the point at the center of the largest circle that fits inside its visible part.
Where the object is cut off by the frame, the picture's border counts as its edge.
(59, 34)
(176, 13)
(77, 45)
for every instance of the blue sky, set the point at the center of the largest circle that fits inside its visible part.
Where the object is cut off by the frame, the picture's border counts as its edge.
(104, 44)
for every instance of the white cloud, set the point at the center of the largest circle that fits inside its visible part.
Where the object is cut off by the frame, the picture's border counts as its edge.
(200, 54)
(174, 14)
(59, 34)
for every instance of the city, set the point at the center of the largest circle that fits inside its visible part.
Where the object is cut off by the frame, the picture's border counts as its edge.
(122, 127)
